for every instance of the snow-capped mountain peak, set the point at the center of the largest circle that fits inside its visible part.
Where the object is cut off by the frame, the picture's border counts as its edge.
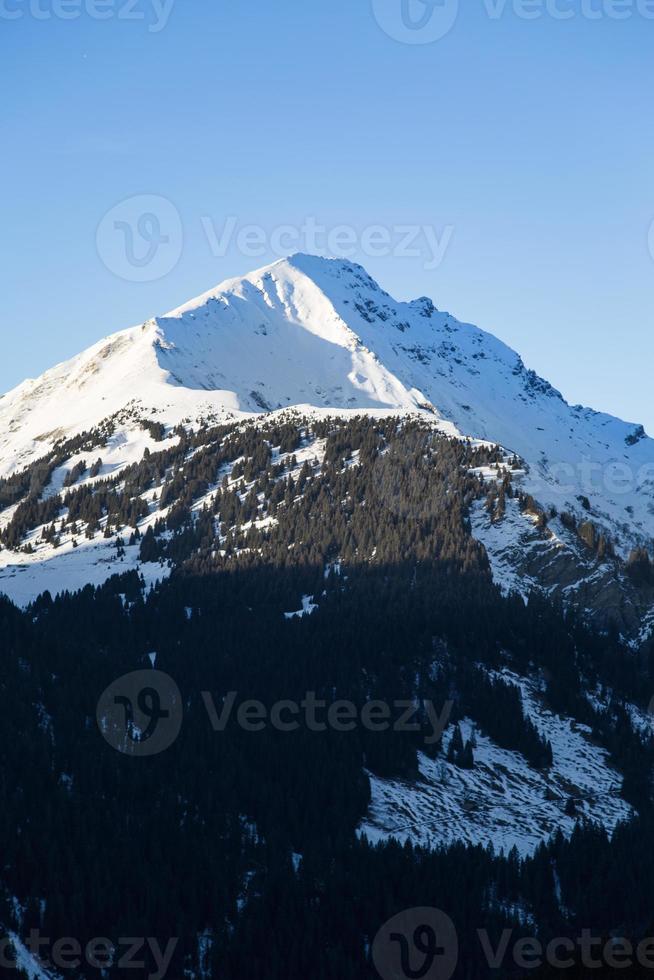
(279, 337)
(322, 335)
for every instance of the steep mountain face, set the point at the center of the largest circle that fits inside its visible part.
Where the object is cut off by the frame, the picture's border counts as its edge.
(303, 554)
(322, 335)
(308, 559)
(264, 342)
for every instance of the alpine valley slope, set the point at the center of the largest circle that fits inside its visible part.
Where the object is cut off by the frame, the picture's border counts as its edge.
(321, 335)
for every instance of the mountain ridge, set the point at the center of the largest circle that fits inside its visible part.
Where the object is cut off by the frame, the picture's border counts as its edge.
(319, 337)
(313, 332)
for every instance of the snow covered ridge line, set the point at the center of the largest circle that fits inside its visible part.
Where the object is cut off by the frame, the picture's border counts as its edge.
(307, 331)
(141, 714)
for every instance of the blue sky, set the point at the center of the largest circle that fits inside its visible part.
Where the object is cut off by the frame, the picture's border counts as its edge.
(523, 144)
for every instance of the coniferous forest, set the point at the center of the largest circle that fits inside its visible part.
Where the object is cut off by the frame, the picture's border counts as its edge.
(243, 843)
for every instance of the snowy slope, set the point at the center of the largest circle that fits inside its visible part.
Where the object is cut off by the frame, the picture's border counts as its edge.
(267, 341)
(321, 334)
(318, 332)
(503, 800)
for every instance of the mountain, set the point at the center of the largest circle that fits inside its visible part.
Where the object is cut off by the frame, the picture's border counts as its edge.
(297, 496)
(321, 336)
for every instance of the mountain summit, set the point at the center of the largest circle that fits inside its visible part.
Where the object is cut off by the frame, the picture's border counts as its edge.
(321, 333)
(313, 337)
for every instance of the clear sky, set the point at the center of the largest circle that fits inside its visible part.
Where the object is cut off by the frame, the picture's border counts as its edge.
(523, 142)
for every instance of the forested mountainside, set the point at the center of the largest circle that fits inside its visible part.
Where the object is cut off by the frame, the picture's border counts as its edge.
(311, 337)
(77, 514)
(313, 562)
